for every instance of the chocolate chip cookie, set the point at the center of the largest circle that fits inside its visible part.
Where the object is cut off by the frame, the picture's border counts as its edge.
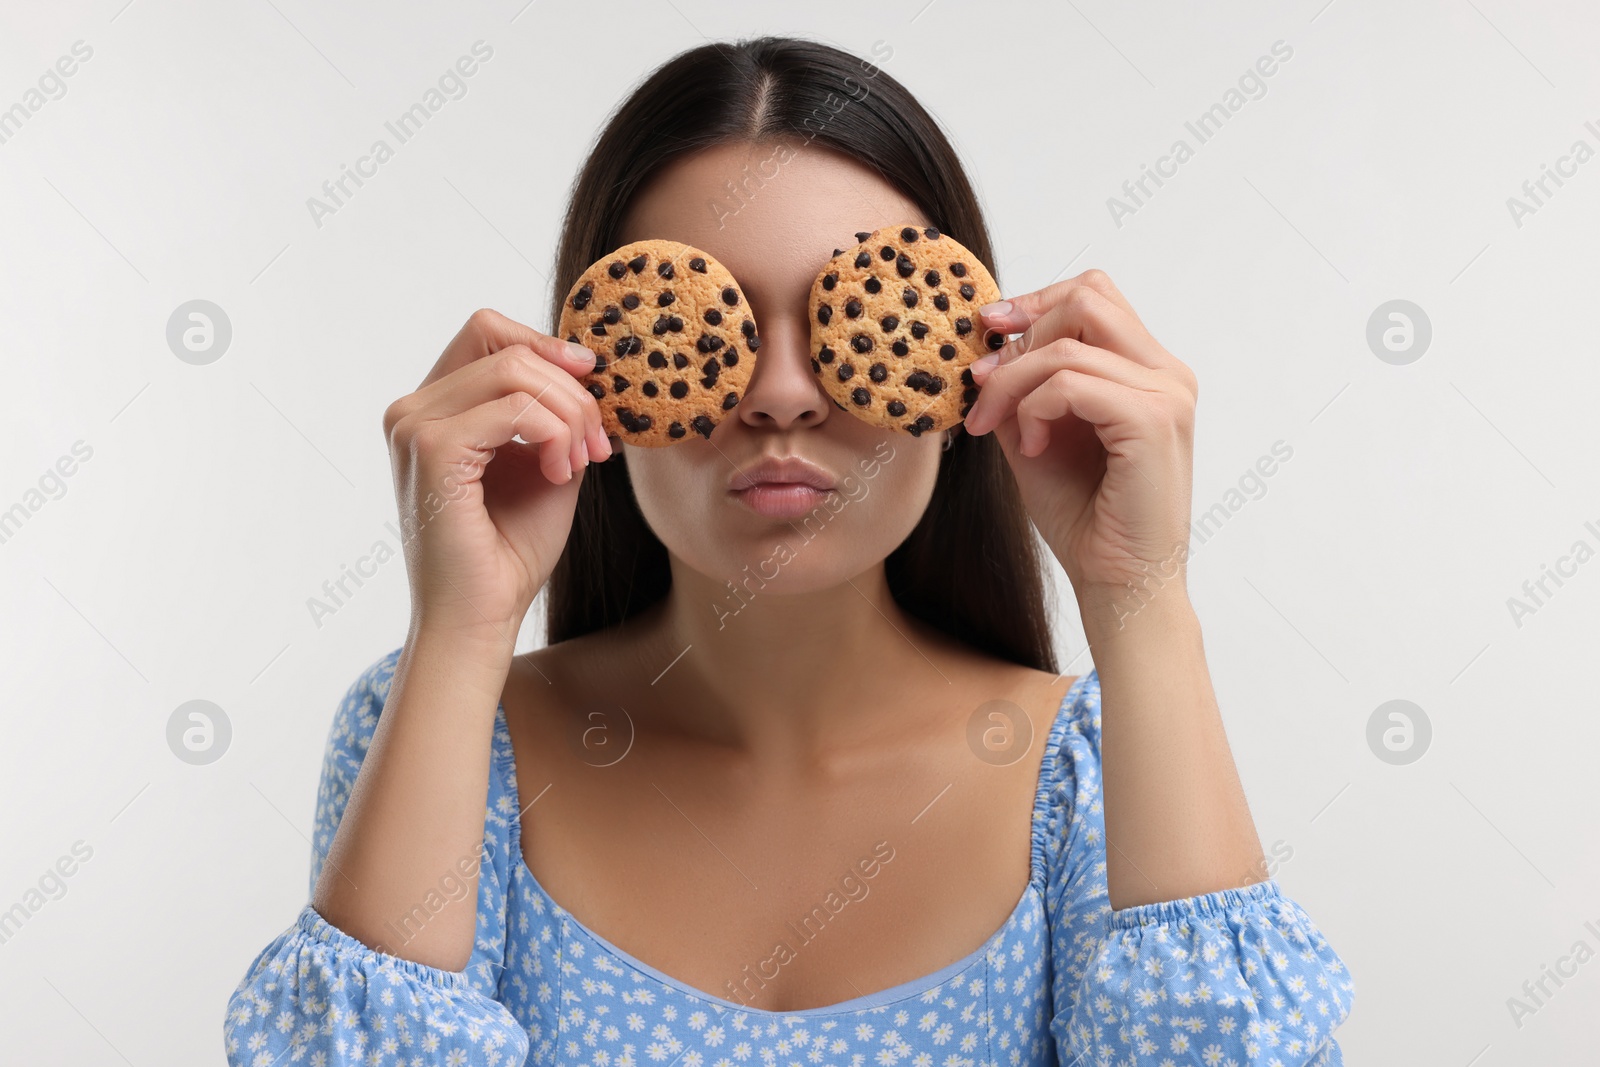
(673, 336)
(894, 326)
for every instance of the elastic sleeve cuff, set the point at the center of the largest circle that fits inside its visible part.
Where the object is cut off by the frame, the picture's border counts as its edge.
(1205, 906)
(1239, 974)
(315, 988)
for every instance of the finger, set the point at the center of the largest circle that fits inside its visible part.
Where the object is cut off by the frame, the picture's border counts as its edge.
(1099, 401)
(466, 440)
(1005, 387)
(1019, 312)
(516, 367)
(1084, 314)
(488, 331)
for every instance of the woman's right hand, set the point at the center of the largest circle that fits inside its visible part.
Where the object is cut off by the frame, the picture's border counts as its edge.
(481, 538)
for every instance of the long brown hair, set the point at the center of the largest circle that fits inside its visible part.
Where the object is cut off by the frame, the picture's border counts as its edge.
(972, 566)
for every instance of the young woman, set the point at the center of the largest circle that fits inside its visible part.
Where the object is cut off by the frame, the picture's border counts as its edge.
(790, 789)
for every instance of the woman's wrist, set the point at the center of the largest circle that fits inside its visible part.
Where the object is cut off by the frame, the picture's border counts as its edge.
(1116, 613)
(476, 660)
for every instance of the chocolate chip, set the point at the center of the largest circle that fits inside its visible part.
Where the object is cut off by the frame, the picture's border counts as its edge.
(863, 235)
(746, 327)
(967, 291)
(824, 313)
(704, 344)
(941, 301)
(679, 360)
(611, 314)
(596, 390)
(963, 327)
(919, 330)
(697, 264)
(935, 385)
(931, 279)
(713, 317)
(665, 270)
(630, 301)
(921, 423)
(649, 389)
(617, 269)
(958, 269)
(600, 363)
(947, 351)
(887, 252)
(909, 297)
(730, 401)
(730, 296)
(852, 308)
(676, 430)
(896, 408)
(932, 233)
(636, 264)
(904, 267)
(679, 390)
(838, 251)
(861, 397)
(702, 425)
(917, 379)
(659, 327)
(863, 259)
(629, 346)
(730, 357)
(665, 299)
(825, 354)
(829, 281)
(908, 234)
(754, 344)
(872, 285)
(581, 298)
(890, 323)
(657, 359)
(674, 324)
(995, 340)
(816, 368)
(969, 394)
(619, 383)
(877, 372)
(847, 370)
(598, 329)
(571, 338)
(861, 343)
(900, 348)
(714, 342)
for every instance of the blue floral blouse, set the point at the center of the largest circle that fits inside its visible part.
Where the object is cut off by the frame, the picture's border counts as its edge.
(1239, 976)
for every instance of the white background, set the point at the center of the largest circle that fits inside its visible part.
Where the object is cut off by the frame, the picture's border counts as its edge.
(1377, 565)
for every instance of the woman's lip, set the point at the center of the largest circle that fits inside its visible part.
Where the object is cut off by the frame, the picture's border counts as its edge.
(781, 500)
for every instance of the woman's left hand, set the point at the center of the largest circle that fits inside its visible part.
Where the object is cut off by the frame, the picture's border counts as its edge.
(1096, 419)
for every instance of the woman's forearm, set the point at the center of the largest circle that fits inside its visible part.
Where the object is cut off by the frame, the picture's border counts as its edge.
(415, 816)
(1177, 824)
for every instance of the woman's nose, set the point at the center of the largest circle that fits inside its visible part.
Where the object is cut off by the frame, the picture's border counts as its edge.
(783, 390)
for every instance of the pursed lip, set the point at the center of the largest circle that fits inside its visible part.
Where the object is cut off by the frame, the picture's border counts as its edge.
(785, 469)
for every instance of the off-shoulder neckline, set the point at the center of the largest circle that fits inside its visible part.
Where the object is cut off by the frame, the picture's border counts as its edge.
(1049, 778)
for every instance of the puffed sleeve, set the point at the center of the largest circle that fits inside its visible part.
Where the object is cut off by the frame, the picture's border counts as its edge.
(317, 995)
(1241, 976)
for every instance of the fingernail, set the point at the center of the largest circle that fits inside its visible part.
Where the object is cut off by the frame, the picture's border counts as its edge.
(578, 353)
(984, 364)
(998, 310)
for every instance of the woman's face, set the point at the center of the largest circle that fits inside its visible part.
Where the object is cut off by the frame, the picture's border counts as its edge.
(773, 215)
